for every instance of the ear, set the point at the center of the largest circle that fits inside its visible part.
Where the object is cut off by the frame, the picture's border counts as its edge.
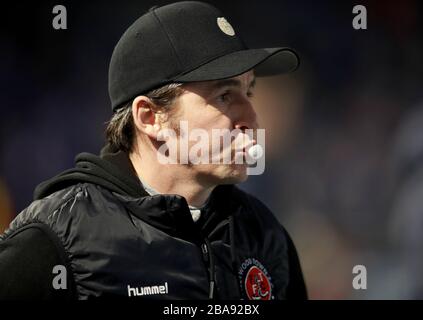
(145, 119)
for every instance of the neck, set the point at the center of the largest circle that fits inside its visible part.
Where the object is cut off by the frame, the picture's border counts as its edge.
(170, 178)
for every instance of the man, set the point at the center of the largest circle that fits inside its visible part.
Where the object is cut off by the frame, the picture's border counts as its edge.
(128, 224)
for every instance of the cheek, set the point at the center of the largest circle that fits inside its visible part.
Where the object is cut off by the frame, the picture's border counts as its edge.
(204, 116)
(210, 120)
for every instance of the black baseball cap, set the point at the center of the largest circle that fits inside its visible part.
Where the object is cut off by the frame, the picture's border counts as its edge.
(186, 42)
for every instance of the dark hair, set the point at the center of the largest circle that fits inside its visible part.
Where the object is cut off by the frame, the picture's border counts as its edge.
(120, 129)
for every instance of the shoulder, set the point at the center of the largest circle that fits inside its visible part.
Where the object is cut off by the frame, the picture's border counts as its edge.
(258, 218)
(27, 261)
(255, 207)
(61, 205)
(277, 242)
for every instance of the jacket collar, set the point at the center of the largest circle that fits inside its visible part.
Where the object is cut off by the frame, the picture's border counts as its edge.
(170, 212)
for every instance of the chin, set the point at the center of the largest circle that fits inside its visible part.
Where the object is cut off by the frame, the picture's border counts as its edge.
(225, 174)
(236, 174)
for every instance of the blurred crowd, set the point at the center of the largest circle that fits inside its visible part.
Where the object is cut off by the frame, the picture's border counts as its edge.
(344, 138)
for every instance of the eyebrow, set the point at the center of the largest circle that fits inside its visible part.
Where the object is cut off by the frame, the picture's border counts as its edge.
(231, 83)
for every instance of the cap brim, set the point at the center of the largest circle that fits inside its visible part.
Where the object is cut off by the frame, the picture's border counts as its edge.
(265, 62)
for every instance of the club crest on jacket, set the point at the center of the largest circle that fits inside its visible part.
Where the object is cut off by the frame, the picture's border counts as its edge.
(255, 281)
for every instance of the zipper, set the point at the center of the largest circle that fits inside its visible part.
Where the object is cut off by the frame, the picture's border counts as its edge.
(205, 251)
(208, 259)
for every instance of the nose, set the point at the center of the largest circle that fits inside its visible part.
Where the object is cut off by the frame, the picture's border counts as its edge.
(248, 118)
(247, 123)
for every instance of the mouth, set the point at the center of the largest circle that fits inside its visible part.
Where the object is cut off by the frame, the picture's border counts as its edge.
(240, 157)
(246, 147)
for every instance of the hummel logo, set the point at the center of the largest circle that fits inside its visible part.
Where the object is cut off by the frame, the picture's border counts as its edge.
(146, 291)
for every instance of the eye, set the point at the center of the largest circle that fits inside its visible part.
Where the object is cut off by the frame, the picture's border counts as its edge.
(224, 97)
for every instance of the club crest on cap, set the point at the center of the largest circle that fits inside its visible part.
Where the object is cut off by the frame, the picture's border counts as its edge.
(225, 26)
(255, 281)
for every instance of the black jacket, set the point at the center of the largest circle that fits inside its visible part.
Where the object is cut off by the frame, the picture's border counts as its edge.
(115, 240)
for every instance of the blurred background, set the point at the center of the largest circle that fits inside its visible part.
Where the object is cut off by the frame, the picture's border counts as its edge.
(344, 160)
